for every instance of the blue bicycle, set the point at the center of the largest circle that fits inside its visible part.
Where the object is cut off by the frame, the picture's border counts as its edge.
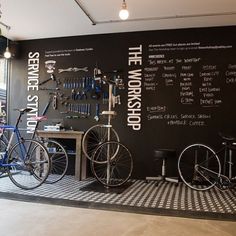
(26, 162)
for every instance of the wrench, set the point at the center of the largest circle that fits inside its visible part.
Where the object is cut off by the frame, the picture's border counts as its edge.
(96, 117)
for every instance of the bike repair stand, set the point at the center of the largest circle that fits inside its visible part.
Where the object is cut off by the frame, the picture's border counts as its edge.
(112, 101)
(109, 115)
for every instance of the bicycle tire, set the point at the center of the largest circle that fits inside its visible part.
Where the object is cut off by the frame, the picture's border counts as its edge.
(95, 136)
(59, 160)
(199, 167)
(29, 164)
(3, 147)
(120, 165)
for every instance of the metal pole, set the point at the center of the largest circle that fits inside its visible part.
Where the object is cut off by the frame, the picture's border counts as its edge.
(109, 133)
(85, 12)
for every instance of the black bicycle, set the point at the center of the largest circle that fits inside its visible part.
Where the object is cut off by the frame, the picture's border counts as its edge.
(200, 167)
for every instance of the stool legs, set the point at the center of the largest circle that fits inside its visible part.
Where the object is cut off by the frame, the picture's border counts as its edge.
(163, 153)
(163, 168)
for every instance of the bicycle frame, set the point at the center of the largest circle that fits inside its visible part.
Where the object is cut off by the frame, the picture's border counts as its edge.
(26, 161)
(222, 181)
(227, 148)
(15, 132)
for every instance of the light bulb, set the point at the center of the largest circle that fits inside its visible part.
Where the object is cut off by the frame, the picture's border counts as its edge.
(7, 53)
(124, 14)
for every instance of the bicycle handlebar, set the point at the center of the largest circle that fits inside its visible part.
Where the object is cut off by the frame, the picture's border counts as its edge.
(23, 110)
(118, 82)
(227, 137)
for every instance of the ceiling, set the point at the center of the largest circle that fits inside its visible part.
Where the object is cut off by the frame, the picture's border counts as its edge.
(34, 19)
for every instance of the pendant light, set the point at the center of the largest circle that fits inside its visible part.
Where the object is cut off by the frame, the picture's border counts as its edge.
(7, 53)
(124, 14)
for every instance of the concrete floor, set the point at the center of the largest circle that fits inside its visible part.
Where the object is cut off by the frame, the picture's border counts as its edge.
(34, 219)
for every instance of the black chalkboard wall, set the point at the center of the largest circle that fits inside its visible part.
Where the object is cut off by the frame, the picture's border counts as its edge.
(188, 84)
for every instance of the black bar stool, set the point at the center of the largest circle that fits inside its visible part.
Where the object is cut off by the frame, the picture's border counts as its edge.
(163, 154)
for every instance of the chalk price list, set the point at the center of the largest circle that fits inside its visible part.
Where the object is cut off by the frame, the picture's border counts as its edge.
(191, 81)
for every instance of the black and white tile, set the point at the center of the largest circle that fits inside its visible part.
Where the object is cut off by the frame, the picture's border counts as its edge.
(140, 196)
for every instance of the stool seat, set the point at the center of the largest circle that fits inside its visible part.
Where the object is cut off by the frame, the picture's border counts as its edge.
(163, 154)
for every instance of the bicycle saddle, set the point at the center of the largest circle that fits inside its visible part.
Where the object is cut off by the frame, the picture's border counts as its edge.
(227, 137)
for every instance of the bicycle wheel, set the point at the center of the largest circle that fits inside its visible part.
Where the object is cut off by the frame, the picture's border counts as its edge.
(3, 147)
(59, 160)
(29, 164)
(199, 167)
(95, 136)
(116, 170)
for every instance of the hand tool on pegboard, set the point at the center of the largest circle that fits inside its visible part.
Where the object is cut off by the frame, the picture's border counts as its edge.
(77, 83)
(83, 82)
(68, 83)
(76, 108)
(65, 83)
(55, 96)
(64, 100)
(54, 102)
(63, 112)
(82, 110)
(83, 95)
(72, 117)
(53, 78)
(73, 94)
(49, 89)
(77, 95)
(94, 95)
(69, 107)
(88, 109)
(105, 97)
(73, 69)
(97, 111)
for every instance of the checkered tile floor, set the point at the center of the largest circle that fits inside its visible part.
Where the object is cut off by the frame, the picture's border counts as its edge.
(140, 196)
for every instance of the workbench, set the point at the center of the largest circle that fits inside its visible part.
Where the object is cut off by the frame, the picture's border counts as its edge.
(80, 161)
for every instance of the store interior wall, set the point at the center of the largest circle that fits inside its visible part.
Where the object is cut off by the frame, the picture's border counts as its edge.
(187, 76)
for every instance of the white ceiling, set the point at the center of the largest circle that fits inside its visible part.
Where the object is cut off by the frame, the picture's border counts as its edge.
(34, 19)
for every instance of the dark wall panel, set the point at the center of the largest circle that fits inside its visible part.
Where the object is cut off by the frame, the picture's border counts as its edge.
(188, 87)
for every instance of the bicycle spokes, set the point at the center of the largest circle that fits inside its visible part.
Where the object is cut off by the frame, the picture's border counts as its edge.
(94, 137)
(199, 167)
(118, 166)
(206, 174)
(29, 164)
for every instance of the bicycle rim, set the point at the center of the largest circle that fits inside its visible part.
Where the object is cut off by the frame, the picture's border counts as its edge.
(94, 137)
(199, 167)
(29, 164)
(118, 169)
(59, 161)
(3, 147)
